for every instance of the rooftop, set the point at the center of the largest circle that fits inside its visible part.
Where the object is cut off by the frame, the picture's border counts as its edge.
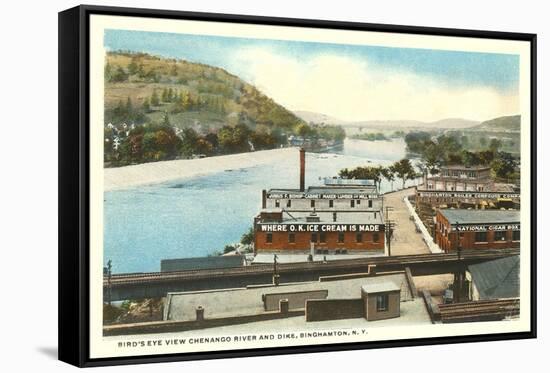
(248, 301)
(497, 278)
(332, 189)
(381, 287)
(480, 216)
(347, 182)
(464, 167)
(210, 262)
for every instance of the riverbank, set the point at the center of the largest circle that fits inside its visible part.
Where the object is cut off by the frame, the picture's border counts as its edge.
(159, 172)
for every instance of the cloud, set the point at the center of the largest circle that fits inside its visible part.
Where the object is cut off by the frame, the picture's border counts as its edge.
(352, 89)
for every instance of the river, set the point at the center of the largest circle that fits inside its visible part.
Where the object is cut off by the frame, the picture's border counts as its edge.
(200, 215)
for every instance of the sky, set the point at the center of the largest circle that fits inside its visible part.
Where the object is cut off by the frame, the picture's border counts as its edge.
(350, 82)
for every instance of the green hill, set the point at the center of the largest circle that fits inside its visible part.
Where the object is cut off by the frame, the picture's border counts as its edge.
(159, 108)
(508, 123)
(195, 93)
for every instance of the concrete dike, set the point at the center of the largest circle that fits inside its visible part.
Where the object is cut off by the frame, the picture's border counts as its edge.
(160, 172)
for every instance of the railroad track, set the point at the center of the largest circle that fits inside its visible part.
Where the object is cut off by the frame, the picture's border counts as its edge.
(479, 310)
(149, 277)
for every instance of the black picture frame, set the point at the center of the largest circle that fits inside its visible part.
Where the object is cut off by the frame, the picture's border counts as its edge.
(74, 187)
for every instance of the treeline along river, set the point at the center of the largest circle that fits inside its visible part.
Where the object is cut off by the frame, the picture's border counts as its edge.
(198, 216)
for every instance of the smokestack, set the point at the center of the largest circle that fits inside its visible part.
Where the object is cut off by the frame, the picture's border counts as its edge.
(264, 198)
(302, 169)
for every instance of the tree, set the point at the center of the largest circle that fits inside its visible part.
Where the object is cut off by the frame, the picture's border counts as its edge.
(166, 120)
(108, 72)
(248, 237)
(234, 139)
(364, 173)
(146, 105)
(470, 158)
(504, 165)
(388, 174)
(132, 67)
(448, 146)
(495, 145)
(119, 75)
(432, 157)
(404, 170)
(155, 98)
(189, 141)
(262, 138)
(415, 141)
(303, 130)
(129, 106)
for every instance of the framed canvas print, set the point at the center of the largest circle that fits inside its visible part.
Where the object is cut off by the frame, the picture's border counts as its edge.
(233, 186)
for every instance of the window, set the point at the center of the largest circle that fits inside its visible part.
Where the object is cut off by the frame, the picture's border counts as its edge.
(277, 203)
(291, 238)
(376, 237)
(370, 202)
(330, 203)
(352, 203)
(515, 235)
(323, 237)
(269, 238)
(312, 203)
(359, 237)
(358, 201)
(481, 237)
(314, 237)
(500, 236)
(382, 302)
(289, 203)
(340, 237)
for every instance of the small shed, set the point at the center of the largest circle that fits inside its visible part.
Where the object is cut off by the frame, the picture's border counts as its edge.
(381, 300)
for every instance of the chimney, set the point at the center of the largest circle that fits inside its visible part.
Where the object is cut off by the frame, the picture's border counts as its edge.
(302, 169)
(264, 198)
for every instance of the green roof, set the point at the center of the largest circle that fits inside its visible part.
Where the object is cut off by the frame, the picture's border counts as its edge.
(480, 216)
(497, 278)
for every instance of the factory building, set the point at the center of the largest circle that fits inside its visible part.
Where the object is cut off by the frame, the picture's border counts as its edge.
(466, 187)
(341, 216)
(477, 229)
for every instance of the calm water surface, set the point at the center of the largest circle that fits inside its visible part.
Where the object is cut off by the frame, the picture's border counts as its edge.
(200, 215)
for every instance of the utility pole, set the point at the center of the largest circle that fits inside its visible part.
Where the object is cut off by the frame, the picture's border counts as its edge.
(389, 226)
(459, 274)
(109, 274)
(275, 272)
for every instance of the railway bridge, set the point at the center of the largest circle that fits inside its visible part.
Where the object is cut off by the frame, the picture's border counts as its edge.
(157, 284)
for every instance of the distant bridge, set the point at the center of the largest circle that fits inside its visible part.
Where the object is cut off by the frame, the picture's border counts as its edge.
(157, 284)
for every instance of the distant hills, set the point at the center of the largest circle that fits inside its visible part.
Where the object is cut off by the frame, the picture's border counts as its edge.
(448, 123)
(507, 123)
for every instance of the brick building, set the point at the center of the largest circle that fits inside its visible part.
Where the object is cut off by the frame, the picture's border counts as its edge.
(466, 187)
(339, 217)
(477, 229)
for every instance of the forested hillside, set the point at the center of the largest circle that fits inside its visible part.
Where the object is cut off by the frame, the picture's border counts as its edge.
(158, 108)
